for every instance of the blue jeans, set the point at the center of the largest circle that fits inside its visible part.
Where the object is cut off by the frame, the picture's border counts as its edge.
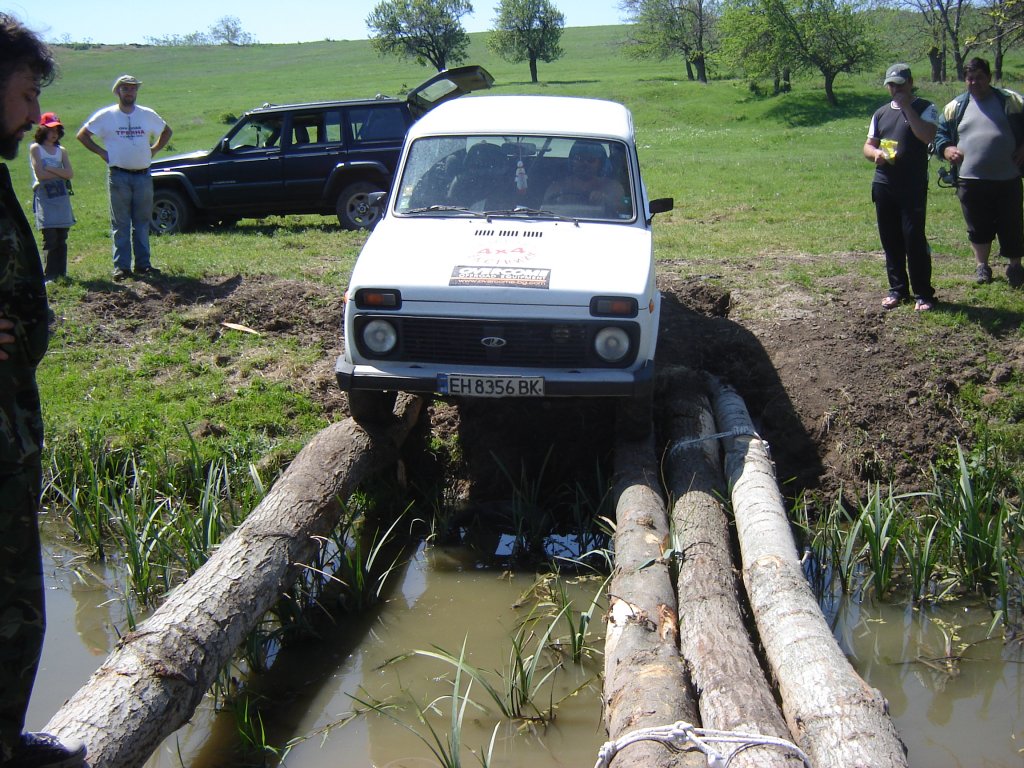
(131, 207)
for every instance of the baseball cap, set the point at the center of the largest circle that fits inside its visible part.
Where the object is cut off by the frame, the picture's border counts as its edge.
(50, 120)
(125, 80)
(897, 74)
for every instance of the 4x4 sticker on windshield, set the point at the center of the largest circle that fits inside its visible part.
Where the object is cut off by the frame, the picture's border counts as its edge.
(510, 277)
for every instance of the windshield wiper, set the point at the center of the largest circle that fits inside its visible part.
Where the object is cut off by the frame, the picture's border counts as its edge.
(522, 210)
(442, 209)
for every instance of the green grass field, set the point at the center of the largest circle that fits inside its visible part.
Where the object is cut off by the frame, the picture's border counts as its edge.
(751, 175)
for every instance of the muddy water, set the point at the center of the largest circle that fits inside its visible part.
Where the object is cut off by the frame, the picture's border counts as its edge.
(957, 697)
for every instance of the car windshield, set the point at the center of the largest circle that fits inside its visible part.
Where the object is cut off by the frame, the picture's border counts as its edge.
(578, 177)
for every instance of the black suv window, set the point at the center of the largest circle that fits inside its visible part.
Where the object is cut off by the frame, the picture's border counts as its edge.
(307, 128)
(257, 133)
(377, 123)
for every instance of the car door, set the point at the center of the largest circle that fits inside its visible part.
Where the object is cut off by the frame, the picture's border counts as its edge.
(446, 85)
(248, 174)
(375, 136)
(314, 143)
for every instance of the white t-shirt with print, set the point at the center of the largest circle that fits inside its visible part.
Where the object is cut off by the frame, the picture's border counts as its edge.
(127, 136)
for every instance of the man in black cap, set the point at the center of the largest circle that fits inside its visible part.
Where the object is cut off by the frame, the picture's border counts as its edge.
(897, 144)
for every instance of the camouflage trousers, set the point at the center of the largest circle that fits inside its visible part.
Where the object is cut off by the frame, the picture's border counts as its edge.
(22, 615)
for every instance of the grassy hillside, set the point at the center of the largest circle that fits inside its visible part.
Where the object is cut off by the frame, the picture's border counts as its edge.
(751, 176)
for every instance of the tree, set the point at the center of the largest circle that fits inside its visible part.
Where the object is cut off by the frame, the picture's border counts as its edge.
(430, 31)
(228, 30)
(751, 42)
(664, 28)
(527, 30)
(946, 19)
(827, 35)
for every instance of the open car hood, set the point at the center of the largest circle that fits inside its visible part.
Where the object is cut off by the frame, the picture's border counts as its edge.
(446, 85)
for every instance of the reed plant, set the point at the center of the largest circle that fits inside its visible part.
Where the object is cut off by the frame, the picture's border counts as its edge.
(446, 747)
(984, 526)
(255, 744)
(158, 514)
(965, 535)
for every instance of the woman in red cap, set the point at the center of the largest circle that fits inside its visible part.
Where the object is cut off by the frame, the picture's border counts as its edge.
(51, 193)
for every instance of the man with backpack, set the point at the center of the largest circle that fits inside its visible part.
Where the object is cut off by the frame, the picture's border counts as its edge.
(981, 133)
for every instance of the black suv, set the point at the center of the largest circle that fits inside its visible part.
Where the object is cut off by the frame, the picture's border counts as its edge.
(325, 157)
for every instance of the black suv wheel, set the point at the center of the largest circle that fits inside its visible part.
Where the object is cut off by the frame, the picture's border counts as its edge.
(172, 213)
(354, 209)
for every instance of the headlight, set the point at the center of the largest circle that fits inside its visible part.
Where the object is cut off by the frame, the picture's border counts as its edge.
(611, 344)
(380, 336)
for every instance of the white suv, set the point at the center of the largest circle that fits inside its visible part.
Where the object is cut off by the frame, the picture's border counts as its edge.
(514, 260)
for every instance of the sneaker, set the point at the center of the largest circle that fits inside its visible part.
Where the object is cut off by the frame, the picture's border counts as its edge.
(150, 271)
(42, 750)
(984, 274)
(122, 274)
(1015, 274)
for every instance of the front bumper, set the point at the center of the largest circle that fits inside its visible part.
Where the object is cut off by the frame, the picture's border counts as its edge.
(612, 382)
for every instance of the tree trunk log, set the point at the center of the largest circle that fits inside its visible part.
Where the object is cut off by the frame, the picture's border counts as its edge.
(733, 693)
(835, 717)
(645, 682)
(154, 679)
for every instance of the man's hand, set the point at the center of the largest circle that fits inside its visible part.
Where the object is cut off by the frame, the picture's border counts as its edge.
(5, 337)
(902, 99)
(953, 155)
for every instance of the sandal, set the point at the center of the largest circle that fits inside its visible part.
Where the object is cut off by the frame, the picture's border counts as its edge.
(892, 301)
(924, 305)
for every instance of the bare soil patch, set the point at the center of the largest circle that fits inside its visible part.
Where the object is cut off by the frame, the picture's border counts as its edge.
(845, 392)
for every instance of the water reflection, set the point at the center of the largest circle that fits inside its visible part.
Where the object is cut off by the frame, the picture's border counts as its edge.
(955, 691)
(956, 694)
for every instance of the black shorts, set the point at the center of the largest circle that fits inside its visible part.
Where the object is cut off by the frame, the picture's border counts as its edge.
(994, 209)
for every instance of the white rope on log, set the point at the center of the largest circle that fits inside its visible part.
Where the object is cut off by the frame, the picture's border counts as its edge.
(682, 735)
(738, 431)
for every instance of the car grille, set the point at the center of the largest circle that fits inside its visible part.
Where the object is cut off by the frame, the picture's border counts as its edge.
(539, 344)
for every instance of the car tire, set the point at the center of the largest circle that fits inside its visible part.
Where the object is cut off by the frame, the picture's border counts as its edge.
(354, 209)
(636, 416)
(172, 213)
(371, 408)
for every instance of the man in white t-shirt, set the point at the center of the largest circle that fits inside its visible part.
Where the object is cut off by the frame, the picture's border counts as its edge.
(131, 135)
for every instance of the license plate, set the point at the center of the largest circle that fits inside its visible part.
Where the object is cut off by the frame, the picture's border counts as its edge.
(490, 386)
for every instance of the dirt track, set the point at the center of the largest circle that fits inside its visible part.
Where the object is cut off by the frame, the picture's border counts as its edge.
(832, 383)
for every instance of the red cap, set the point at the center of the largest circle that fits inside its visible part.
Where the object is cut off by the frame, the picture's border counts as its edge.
(50, 120)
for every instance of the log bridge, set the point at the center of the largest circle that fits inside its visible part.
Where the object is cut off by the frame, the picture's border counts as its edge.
(704, 648)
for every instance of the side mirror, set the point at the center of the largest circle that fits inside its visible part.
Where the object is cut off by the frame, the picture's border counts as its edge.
(225, 145)
(661, 205)
(377, 199)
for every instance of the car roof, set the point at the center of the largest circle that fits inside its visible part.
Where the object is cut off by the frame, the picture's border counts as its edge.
(323, 104)
(567, 115)
(435, 90)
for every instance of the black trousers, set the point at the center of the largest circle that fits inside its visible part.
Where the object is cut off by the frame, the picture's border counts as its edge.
(55, 251)
(901, 215)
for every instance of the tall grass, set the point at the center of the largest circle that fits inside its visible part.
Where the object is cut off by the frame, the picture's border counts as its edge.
(446, 747)
(158, 515)
(964, 536)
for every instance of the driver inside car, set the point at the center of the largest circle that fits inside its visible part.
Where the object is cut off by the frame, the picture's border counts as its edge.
(586, 184)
